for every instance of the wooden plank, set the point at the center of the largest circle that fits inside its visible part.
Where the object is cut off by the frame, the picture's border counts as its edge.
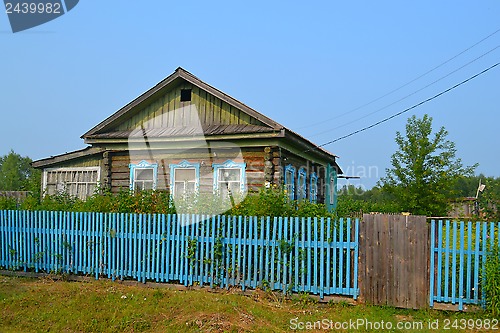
(394, 249)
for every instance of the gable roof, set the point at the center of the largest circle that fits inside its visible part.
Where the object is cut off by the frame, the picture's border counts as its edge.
(107, 128)
(179, 74)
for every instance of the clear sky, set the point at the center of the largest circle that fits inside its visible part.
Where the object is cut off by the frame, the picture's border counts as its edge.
(308, 65)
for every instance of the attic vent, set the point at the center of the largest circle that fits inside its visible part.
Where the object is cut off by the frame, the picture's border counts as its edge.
(185, 95)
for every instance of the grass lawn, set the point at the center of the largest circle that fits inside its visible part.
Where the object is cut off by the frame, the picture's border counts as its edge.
(45, 305)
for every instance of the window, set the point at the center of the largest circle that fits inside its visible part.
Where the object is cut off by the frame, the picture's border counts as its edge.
(185, 95)
(143, 176)
(313, 188)
(290, 181)
(229, 178)
(332, 190)
(77, 182)
(301, 193)
(184, 178)
(331, 187)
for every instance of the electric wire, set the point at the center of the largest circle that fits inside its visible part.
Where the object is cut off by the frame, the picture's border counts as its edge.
(410, 108)
(404, 85)
(407, 96)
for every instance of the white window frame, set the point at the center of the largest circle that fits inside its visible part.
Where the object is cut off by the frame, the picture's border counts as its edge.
(313, 188)
(143, 165)
(70, 169)
(290, 181)
(184, 165)
(230, 165)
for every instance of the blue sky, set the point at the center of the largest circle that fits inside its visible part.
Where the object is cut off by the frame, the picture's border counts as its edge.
(302, 64)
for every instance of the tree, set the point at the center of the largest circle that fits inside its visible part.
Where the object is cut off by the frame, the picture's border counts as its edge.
(17, 174)
(424, 169)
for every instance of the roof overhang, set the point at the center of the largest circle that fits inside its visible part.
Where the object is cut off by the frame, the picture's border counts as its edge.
(89, 151)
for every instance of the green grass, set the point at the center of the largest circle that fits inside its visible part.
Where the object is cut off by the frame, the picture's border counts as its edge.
(45, 305)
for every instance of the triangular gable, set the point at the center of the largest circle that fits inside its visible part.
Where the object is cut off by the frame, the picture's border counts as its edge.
(161, 107)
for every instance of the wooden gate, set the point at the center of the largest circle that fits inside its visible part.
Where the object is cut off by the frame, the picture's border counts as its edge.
(394, 252)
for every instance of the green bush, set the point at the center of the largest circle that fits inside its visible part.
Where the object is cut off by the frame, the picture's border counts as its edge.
(491, 281)
(8, 203)
(122, 202)
(267, 202)
(351, 206)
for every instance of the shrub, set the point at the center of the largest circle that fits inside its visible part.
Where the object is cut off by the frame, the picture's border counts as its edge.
(8, 203)
(267, 202)
(491, 281)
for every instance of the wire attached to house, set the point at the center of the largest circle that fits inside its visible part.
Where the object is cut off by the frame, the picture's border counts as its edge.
(410, 108)
(409, 82)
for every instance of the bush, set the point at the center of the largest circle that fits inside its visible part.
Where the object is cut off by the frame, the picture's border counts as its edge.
(351, 206)
(8, 203)
(491, 281)
(267, 202)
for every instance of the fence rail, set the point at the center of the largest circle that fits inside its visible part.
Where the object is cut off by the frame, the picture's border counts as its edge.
(458, 255)
(313, 255)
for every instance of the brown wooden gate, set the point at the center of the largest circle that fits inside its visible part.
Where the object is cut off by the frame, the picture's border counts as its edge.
(393, 260)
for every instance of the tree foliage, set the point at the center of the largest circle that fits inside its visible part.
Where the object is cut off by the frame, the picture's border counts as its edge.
(17, 174)
(424, 169)
(354, 201)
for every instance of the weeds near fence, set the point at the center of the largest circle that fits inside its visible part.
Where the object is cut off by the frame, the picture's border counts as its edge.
(491, 281)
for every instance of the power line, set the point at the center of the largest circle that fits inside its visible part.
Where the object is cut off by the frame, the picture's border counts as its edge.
(412, 107)
(404, 85)
(409, 95)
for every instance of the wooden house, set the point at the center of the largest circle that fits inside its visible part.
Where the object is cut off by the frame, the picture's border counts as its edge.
(184, 135)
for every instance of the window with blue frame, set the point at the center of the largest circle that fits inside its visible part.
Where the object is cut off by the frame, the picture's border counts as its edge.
(143, 176)
(313, 188)
(301, 181)
(290, 181)
(332, 190)
(229, 178)
(184, 178)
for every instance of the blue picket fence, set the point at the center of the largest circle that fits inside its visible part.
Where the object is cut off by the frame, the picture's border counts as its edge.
(458, 255)
(313, 255)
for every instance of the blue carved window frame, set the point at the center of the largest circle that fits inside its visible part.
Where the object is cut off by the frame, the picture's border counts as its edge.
(301, 184)
(229, 164)
(313, 188)
(290, 181)
(141, 166)
(184, 165)
(331, 187)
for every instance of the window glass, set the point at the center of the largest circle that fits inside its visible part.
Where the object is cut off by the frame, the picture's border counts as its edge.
(76, 182)
(143, 176)
(229, 181)
(290, 181)
(332, 190)
(313, 188)
(184, 181)
(229, 178)
(301, 194)
(184, 178)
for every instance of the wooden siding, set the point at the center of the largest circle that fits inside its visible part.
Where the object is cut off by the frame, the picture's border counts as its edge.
(253, 157)
(203, 109)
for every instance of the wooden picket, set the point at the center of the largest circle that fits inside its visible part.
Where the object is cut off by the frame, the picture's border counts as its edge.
(458, 255)
(291, 254)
